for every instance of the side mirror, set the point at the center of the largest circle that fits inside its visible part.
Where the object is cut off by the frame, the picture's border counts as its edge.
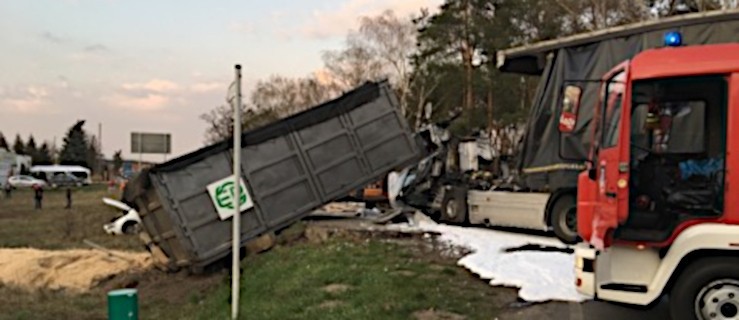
(570, 107)
(592, 173)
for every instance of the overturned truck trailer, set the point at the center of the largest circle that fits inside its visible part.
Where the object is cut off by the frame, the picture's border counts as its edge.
(289, 167)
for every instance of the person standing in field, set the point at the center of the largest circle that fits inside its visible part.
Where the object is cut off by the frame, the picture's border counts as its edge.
(38, 195)
(8, 190)
(69, 198)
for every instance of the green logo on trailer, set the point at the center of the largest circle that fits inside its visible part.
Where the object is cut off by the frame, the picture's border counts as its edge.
(225, 195)
(222, 194)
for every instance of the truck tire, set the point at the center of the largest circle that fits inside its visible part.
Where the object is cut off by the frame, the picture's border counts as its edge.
(454, 205)
(563, 219)
(707, 289)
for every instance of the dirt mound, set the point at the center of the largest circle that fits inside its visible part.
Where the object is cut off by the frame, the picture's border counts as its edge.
(72, 270)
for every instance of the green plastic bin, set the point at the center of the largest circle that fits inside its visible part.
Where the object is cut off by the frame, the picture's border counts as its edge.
(123, 304)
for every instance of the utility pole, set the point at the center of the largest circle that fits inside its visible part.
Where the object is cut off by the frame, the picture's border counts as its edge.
(99, 157)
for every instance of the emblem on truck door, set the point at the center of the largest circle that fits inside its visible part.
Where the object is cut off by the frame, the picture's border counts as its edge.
(222, 194)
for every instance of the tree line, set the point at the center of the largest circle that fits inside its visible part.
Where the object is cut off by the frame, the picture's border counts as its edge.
(78, 148)
(446, 59)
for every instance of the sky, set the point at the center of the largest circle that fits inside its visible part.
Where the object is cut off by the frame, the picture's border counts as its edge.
(156, 66)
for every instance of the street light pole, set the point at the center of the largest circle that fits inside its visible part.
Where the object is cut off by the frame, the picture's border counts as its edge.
(236, 246)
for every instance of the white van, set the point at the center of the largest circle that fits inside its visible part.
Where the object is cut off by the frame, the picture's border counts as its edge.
(46, 172)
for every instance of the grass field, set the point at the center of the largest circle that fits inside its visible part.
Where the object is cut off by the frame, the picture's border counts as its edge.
(345, 277)
(354, 279)
(54, 227)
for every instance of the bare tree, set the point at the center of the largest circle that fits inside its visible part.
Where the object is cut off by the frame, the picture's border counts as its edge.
(392, 41)
(272, 99)
(220, 121)
(286, 96)
(352, 66)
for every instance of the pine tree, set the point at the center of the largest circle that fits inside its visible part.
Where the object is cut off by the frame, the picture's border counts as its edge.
(44, 155)
(3, 142)
(75, 148)
(18, 146)
(30, 149)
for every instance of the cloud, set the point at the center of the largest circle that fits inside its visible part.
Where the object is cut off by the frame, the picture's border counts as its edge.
(96, 48)
(241, 27)
(152, 95)
(154, 85)
(80, 50)
(63, 82)
(23, 99)
(206, 87)
(145, 102)
(335, 23)
(95, 53)
(50, 37)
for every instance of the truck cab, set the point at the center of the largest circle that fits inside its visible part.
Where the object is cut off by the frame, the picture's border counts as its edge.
(655, 206)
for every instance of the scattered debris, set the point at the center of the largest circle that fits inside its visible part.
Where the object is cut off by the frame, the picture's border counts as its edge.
(541, 248)
(261, 244)
(110, 253)
(317, 235)
(355, 211)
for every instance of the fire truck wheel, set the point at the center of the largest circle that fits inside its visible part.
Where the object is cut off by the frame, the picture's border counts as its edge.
(564, 219)
(707, 289)
(454, 206)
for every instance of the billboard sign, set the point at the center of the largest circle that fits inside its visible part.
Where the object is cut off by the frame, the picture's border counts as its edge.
(157, 143)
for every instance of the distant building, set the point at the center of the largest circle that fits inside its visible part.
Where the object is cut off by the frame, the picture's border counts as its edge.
(128, 169)
(12, 164)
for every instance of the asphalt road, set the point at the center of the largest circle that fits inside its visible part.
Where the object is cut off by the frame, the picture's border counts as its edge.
(591, 310)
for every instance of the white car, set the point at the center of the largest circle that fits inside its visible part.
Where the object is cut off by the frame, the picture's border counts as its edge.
(25, 182)
(129, 223)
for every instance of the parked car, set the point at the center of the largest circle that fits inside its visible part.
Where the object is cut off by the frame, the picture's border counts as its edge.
(65, 180)
(129, 223)
(22, 181)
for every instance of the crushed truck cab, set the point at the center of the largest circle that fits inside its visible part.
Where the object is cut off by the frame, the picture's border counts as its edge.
(655, 207)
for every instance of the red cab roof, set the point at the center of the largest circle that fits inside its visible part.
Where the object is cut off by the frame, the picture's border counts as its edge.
(686, 61)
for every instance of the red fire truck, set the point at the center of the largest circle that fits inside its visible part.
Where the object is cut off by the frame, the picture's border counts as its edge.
(658, 206)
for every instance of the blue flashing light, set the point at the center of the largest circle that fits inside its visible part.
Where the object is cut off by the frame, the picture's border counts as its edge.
(673, 39)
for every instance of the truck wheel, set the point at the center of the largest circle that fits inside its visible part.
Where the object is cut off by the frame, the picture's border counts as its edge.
(707, 289)
(454, 205)
(564, 219)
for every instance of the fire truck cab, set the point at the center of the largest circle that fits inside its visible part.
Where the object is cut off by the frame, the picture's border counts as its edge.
(658, 206)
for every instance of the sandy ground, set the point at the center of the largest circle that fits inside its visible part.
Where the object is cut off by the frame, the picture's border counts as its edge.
(70, 270)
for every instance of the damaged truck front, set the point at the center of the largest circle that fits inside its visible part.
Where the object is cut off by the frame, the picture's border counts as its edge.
(289, 168)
